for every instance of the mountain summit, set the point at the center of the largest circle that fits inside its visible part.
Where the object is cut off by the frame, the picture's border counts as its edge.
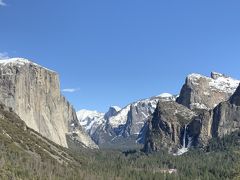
(202, 92)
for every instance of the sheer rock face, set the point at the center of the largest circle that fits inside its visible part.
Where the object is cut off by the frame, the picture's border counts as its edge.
(172, 124)
(201, 92)
(199, 129)
(33, 92)
(235, 98)
(166, 128)
(223, 120)
(226, 117)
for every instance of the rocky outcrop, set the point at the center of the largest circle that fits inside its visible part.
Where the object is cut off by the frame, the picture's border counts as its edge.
(235, 98)
(33, 92)
(199, 129)
(222, 120)
(112, 111)
(167, 127)
(226, 118)
(201, 92)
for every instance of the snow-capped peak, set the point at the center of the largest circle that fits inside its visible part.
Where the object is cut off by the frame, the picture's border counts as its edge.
(90, 120)
(20, 62)
(14, 60)
(165, 95)
(217, 81)
(84, 113)
(146, 106)
(216, 75)
(112, 111)
(116, 108)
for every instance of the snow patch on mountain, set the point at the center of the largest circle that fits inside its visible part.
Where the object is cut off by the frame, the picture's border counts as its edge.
(202, 92)
(165, 95)
(120, 118)
(20, 62)
(150, 104)
(83, 114)
(217, 81)
(90, 120)
(121, 123)
(116, 108)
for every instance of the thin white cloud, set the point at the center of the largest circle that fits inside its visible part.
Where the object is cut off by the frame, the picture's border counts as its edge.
(2, 3)
(4, 55)
(70, 90)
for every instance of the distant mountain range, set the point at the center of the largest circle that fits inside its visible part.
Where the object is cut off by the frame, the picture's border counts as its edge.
(206, 107)
(120, 127)
(127, 127)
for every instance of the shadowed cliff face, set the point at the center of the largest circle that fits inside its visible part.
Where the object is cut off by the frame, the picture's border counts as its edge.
(223, 120)
(33, 92)
(226, 117)
(235, 98)
(199, 129)
(167, 126)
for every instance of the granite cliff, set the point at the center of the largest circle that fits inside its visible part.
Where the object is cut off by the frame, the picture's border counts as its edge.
(202, 92)
(33, 92)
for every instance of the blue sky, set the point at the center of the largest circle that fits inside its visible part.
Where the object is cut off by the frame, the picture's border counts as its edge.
(115, 52)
